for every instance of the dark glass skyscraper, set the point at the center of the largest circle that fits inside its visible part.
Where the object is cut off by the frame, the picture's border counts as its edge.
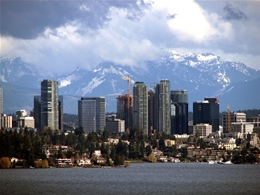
(91, 114)
(37, 111)
(179, 112)
(207, 111)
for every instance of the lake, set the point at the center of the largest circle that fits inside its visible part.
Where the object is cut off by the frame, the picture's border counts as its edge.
(139, 178)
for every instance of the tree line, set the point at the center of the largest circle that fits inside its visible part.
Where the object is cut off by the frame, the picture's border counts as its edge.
(28, 144)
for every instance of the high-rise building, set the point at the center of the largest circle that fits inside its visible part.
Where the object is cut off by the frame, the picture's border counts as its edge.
(37, 111)
(207, 111)
(91, 114)
(179, 112)
(1, 103)
(61, 113)
(151, 111)
(140, 106)
(124, 110)
(163, 107)
(49, 104)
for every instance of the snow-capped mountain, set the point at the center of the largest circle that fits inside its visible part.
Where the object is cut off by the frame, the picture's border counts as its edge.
(203, 75)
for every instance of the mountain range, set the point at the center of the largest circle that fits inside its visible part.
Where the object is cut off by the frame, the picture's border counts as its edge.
(202, 75)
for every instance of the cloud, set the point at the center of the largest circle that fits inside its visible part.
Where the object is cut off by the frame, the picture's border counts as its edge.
(27, 19)
(85, 33)
(232, 13)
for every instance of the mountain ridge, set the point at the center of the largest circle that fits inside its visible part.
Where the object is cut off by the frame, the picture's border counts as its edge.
(202, 75)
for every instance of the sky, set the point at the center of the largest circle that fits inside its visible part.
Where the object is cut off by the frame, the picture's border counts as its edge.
(59, 36)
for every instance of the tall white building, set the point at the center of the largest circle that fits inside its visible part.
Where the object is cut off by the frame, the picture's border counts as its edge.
(140, 106)
(163, 107)
(91, 114)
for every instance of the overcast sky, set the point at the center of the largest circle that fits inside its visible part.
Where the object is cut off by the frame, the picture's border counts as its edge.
(57, 36)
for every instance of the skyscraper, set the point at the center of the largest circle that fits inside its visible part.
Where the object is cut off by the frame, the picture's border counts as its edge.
(151, 111)
(37, 111)
(61, 113)
(49, 104)
(162, 107)
(207, 111)
(123, 112)
(1, 103)
(140, 106)
(179, 112)
(91, 114)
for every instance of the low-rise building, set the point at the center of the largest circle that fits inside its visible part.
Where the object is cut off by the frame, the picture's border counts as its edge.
(202, 130)
(242, 127)
(84, 162)
(6, 121)
(114, 125)
(64, 162)
(25, 121)
(169, 142)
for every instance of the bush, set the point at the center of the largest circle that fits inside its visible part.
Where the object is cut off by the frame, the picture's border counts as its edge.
(41, 164)
(151, 158)
(5, 163)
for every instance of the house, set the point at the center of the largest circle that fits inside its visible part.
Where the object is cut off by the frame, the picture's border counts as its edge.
(84, 162)
(64, 161)
(169, 143)
(157, 152)
(101, 161)
(163, 158)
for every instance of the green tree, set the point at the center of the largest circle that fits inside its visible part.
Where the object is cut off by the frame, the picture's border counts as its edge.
(113, 153)
(148, 150)
(120, 158)
(105, 135)
(79, 131)
(184, 152)
(60, 154)
(69, 154)
(161, 144)
(201, 143)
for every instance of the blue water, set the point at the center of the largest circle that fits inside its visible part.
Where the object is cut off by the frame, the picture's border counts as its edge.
(143, 178)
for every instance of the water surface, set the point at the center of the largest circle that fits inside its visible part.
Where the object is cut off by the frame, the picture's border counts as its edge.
(139, 178)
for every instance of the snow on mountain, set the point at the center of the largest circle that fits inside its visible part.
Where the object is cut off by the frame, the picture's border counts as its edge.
(16, 71)
(203, 75)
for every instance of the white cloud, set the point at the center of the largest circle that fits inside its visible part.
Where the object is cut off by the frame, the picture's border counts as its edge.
(184, 26)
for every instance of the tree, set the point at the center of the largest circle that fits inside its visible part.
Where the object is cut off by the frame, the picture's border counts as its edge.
(105, 135)
(60, 155)
(5, 163)
(161, 144)
(45, 163)
(184, 151)
(201, 143)
(151, 158)
(79, 131)
(120, 158)
(148, 150)
(69, 154)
